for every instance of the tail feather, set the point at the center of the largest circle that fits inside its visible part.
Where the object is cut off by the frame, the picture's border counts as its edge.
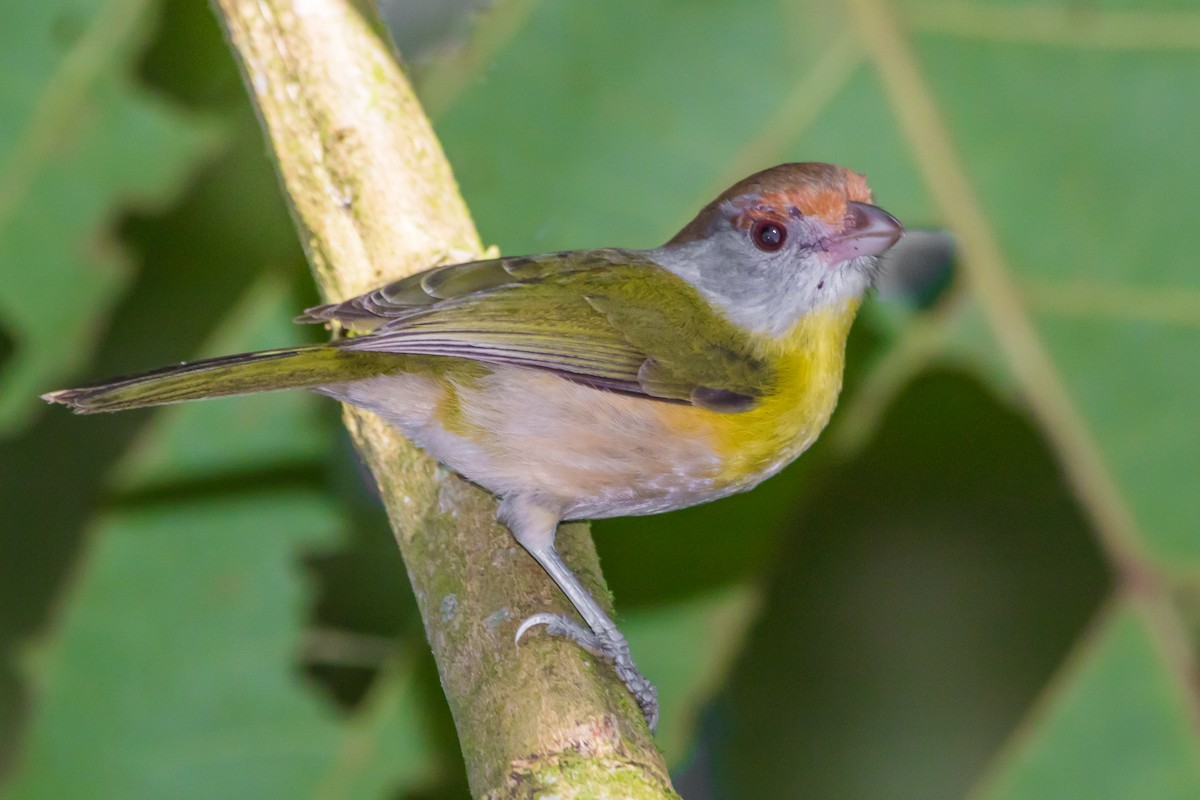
(244, 373)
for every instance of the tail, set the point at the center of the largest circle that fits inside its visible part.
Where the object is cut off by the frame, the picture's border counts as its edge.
(266, 370)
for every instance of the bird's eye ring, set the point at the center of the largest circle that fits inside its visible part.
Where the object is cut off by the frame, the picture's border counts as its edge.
(768, 235)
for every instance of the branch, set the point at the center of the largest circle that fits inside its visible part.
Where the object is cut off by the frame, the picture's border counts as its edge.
(374, 200)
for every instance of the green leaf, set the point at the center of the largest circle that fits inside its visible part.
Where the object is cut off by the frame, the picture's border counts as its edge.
(1116, 727)
(81, 141)
(387, 745)
(1056, 145)
(1087, 231)
(256, 432)
(650, 122)
(922, 596)
(648, 126)
(180, 688)
(935, 589)
(172, 671)
(665, 638)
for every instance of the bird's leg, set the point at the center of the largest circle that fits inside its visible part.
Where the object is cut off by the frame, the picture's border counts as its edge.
(604, 640)
(534, 527)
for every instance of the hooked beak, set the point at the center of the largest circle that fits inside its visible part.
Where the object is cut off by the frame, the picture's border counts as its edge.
(867, 231)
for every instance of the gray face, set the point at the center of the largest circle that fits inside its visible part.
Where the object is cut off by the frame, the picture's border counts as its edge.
(767, 291)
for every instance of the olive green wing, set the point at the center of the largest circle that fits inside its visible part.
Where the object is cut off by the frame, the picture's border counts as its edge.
(401, 299)
(611, 319)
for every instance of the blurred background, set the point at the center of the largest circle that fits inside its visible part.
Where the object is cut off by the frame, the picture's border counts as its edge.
(984, 580)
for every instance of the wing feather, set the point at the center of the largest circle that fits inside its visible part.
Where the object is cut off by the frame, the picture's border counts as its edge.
(611, 319)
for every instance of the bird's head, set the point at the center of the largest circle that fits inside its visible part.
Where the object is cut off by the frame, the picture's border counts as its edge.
(783, 242)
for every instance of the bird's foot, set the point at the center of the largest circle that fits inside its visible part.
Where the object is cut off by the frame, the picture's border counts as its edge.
(607, 644)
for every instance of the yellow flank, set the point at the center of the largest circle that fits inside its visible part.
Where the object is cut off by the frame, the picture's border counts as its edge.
(758, 442)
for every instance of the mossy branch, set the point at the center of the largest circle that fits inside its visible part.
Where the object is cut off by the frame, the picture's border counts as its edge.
(374, 200)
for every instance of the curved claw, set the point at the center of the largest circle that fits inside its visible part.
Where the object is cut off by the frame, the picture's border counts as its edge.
(543, 618)
(563, 627)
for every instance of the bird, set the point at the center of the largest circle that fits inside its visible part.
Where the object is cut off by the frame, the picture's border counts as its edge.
(596, 383)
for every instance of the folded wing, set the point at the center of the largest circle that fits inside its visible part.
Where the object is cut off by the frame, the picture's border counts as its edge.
(611, 319)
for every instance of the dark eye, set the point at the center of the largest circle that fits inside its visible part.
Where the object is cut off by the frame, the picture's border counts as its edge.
(768, 235)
